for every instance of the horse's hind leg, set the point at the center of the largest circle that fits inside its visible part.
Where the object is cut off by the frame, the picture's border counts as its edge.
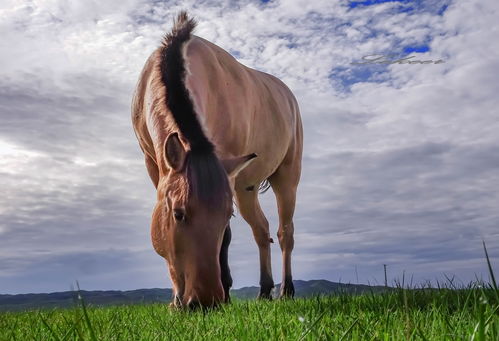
(247, 202)
(284, 183)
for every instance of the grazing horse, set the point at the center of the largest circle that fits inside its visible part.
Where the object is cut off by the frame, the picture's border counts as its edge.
(211, 128)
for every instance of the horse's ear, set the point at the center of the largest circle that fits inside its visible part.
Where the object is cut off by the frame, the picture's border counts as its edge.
(237, 164)
(174, 152)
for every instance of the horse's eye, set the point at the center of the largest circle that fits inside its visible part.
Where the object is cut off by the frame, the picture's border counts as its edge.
(178, 214)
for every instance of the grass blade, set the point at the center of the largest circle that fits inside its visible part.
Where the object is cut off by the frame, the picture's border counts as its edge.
(349, 329)
(85, 316)
(491, 272)
(54, 335)
(494, 312)
(309, 329)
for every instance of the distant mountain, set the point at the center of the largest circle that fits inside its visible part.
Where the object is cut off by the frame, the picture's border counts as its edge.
(67, 299)
(312, 288)
(323, 287)
(113, 297)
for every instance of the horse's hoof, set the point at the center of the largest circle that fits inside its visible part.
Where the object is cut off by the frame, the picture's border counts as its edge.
(265, 294)
(267, 297)
(174, 306)
(287, 289)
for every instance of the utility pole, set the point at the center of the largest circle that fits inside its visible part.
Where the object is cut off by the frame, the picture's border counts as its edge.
(386, 279)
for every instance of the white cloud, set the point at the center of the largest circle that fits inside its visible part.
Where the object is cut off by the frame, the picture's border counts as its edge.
(399, 168)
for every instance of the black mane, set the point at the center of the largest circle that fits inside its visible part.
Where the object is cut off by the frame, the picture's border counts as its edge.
(173, 75)
(206, 176)
(208, 181)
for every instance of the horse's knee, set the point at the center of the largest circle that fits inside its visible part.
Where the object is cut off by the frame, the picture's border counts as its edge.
(261, 234)
(285, 235)
(262, 239)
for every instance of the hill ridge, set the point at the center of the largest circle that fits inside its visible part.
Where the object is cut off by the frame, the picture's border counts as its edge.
(66, 299)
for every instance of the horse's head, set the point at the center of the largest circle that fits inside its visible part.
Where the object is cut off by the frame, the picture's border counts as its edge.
(188, 224)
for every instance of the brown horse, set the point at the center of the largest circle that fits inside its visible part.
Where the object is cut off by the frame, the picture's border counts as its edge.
(210, 127)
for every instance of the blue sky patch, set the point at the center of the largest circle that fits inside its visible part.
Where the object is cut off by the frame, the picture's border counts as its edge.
(417, 48)
(442, 9)
(345, 77)
(405, 9)
(408, 6)
(235, 53)
(353, 4)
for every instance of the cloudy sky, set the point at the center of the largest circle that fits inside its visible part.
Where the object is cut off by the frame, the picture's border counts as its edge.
(401, 162)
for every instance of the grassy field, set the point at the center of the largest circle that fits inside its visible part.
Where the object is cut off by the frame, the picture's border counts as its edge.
(415, 314)
(445, 313)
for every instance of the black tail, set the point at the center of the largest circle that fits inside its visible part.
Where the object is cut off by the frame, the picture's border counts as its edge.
(173, 76)
(264, 186)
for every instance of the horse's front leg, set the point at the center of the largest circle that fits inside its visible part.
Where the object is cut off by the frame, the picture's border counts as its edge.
(249, 207)
(224, 263)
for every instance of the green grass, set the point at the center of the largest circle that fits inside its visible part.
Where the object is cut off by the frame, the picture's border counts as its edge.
(415, 314)
(450, 313)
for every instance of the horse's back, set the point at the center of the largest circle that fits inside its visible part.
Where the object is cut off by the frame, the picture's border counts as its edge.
(243, 110)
